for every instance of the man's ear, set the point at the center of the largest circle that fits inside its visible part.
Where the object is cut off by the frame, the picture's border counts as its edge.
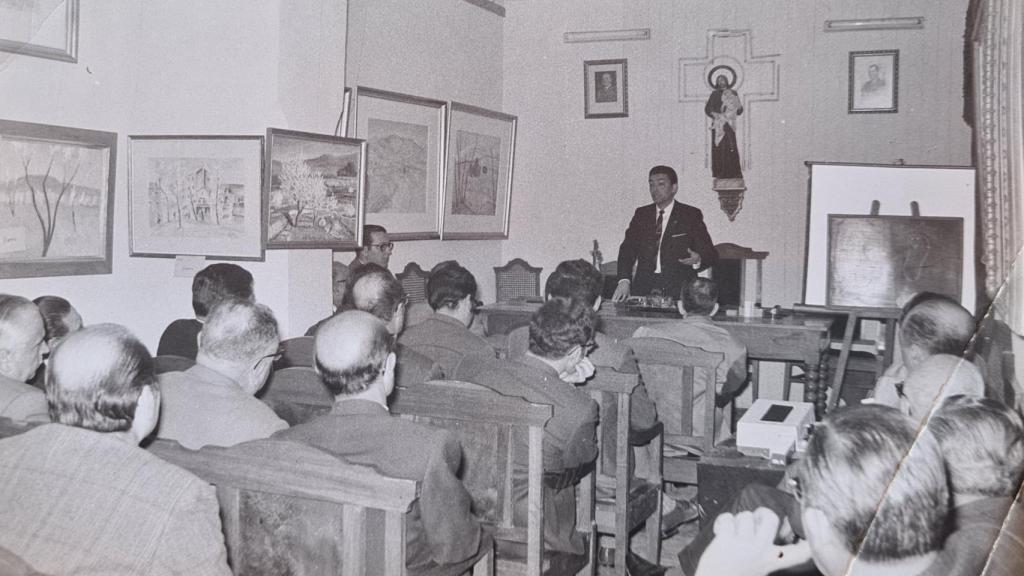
(597, 303)
(714, 310)
(147, 413)
(388, 376)
(679, 306)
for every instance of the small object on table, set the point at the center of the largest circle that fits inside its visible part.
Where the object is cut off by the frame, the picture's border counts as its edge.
(772, 428)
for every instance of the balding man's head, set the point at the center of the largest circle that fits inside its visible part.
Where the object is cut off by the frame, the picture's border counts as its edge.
(935, 326)
(353, 353)
(377, 291)
(982, 442)
(22, 337)
(95, 378)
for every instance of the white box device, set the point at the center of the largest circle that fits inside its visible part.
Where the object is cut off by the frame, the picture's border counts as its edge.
(772, 428)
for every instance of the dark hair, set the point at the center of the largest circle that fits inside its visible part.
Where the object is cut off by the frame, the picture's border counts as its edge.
(54, 310)
(575, 279)
(95, 378)
(369, 230)
(346, 380)
(448, 285)
(217, 282)
(880, 485)
(938, 326)
(378, 293)
(699, 296)
(559, 326)
(667, 171)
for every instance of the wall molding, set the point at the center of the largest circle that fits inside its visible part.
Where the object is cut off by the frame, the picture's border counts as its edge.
(606, 35)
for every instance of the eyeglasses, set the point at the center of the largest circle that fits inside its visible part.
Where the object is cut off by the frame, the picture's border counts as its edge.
(796, 487)
(476, 304)
(275, 355)
(385, 246)
(589, 347)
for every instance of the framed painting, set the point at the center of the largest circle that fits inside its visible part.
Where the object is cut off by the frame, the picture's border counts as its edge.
(873, 85)
(605, 89)
(341, 128)
(195, 196)
(313, 190)
(41, 28)
(405, 161)
(478, 186)
(56, 200)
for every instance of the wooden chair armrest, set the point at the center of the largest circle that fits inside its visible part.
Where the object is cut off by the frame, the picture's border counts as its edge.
(609, 380)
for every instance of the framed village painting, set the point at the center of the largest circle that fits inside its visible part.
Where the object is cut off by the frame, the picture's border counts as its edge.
(196, 196)
(314, 190)
(56, 200)
(40, 28)
(478, 186)
(405, 161)
(873, 85)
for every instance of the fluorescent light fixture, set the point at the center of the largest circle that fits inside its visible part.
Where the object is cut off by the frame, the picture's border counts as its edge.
(905, 23)
(607, 35)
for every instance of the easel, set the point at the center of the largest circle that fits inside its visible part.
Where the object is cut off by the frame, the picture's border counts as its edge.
(854, 314)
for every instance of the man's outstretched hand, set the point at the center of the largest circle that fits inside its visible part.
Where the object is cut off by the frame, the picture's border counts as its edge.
(744, 545)
(621, 292)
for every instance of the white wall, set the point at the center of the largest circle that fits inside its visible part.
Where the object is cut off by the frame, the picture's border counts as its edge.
(166, 67)
(443, 49)
(577, 179)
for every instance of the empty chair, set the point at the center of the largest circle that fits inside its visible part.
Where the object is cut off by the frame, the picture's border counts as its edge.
(516, 281)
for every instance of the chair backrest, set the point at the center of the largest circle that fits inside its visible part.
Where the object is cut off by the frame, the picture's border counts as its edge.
(414, 282)
(289, 508)
(993, 351)
(297, 351)
(676, 376)
(516, 281)
(171, 363)
(296, 394)
(486, 423)
(446, 357)
(728, 272)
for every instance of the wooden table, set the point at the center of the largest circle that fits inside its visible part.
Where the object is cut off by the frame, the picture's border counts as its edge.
(794, 338)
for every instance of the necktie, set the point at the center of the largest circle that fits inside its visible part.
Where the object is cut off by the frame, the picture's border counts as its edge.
(658, 229)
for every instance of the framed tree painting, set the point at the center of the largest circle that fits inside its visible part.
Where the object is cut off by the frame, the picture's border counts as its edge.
(405, 138)
(313, 190)
(56, 200)
(478, 186)
(40, 28)
(195, 195)
(873, 85)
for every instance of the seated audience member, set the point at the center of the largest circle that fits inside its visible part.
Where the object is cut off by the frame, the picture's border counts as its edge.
(355, 359)
(59, 318)
(213, 403)
(377, 248)
(212, 284)
(445, 337)
(872, 500)
(80, 496)
(340, 275)
(561, 332)
(982, 442)
(22, 346)
(698, 302)
(933, 334)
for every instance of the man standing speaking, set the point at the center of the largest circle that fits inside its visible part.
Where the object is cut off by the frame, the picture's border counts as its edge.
(666, 241)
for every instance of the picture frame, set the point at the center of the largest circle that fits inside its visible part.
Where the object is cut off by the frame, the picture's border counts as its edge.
(873, 85)
(195, 195)
(341, 128)
(479, 167)
(56, 200)
(40, 29)
(314, 190)
(405, 138)
(605, 89)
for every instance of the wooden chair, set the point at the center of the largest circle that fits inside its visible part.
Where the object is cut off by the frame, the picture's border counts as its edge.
(516, 281)
(638, 500)
(668, 369)
(487, 423)
(414, 282)
(446, 357)
(296, 394)
(171, 363)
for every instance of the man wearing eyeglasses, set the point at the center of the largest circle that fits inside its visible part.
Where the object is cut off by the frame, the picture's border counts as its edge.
(377, 247)
(213, 402)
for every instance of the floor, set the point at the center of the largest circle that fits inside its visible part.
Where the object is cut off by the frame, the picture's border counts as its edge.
(670, 547)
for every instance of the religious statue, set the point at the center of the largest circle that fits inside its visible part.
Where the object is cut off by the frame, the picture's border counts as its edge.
(723, 107)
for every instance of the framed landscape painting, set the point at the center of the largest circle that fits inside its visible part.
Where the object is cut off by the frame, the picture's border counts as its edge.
(478, 186)
(405, 161)
(196, 196)
(56, 200)
(314, 190)
(40, 28)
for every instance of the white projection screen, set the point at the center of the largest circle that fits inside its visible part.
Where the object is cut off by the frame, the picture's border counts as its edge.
(835, 188)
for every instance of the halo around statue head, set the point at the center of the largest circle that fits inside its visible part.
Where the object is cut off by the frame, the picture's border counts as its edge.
(721, 70)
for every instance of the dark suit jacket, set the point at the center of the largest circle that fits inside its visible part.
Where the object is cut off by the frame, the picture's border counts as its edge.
(440, 529)
(684, 230)
(180, 339)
